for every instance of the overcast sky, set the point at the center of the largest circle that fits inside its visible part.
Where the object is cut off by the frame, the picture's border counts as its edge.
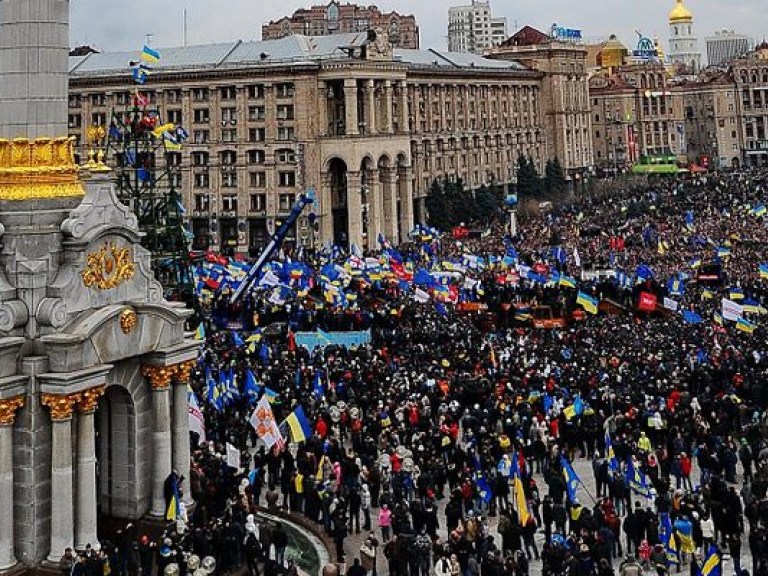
(123, 25)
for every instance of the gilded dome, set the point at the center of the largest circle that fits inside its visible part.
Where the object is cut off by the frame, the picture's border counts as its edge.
(680, 14)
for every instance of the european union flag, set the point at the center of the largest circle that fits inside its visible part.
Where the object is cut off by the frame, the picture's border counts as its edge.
(318, 390)
(251, 387)
(691, 317)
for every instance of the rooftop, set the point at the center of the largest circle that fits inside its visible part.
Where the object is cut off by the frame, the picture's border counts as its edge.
(295, 50)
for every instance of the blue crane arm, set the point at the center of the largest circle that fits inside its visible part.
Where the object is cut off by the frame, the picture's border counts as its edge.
(303, 201)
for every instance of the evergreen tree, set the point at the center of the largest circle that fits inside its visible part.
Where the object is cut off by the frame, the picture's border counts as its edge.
(554, 178)
(438, 209)
(528, 181)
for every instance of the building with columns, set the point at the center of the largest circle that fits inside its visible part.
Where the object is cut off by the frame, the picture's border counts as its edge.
(368, 126)
(87, 341)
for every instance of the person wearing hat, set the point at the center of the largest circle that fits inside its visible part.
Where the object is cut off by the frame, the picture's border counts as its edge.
(67, 561)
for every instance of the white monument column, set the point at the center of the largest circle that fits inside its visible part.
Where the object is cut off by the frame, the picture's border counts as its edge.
(7, 417)
(181, 427)
(34, 53)
(160, 379)
(86, 516)
(62, 510)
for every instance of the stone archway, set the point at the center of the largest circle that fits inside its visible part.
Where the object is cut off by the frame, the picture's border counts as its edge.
(122, 445)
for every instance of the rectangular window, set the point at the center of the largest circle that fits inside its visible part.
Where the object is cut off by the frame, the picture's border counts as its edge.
(228, 92)
(258, 202)
(286, 179)
(229, 115)
(256, 156)
(285, 90)
(175, 179)
(285, 112)
(201, 137)
(202, 202)
(123, 98)
(201, 116)
(229, 203)
(172, 96)
(99, 119)
(229, 180)
(175, 117)
(256, 92)
(200, 158)
(286, 156)
(74, 101)
(285, 202)
(202, 180)
(285, 133)
(258, 179)
(229, 135)
(74, 121)
(256, 113)
(98, 99)
(256, 134)
(200, 94)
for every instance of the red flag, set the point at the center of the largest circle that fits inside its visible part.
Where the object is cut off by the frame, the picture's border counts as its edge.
(647, 302)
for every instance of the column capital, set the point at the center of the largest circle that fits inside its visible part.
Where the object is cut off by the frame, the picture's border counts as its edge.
(60, 405)
(8, 408)
(159, 376)
(89, 399)
(183, 371)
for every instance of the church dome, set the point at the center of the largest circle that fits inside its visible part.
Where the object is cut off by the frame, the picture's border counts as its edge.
(680, 14)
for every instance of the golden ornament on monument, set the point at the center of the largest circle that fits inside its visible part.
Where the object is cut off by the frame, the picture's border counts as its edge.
(37, 169)
(8, 408)
(128, 320)
(109, 267)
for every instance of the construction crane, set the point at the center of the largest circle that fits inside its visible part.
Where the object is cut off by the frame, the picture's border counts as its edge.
(278, 237)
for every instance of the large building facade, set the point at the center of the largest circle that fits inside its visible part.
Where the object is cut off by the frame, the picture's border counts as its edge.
(564, 93)
(368, 127)
(683, 43)
(726, 45)
(338, 18)
(473, 28)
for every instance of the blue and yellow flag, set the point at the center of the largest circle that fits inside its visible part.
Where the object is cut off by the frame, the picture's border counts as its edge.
(637, 480)
(567, 281)
(299, 425)
(610, 455)
(572, 479)
(713, 563)
(667, 539)
(150, 55)
(759, 210)
(173, 506)
(521, 503)
(587, 302)
(763, 269)
(744, 325)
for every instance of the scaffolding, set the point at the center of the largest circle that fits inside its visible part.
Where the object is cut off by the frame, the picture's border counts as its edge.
(146, 157)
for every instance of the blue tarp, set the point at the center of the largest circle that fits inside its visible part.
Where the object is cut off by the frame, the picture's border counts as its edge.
(312, 340)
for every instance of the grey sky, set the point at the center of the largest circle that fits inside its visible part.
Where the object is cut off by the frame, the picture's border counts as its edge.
(122, 25)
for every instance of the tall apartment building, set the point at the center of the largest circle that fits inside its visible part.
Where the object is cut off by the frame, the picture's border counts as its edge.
(338, 18)
(564, 92)
(368, 127)
(474, 29)
(750, 77)
(725, 46)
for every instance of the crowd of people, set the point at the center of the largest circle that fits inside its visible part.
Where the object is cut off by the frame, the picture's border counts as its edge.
(451, 442)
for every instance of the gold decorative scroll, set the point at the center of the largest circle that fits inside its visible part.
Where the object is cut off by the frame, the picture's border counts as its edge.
(38, 169)
(60, 405)
(89, 399)
(109, 267)
(8, 408)
(128, 320)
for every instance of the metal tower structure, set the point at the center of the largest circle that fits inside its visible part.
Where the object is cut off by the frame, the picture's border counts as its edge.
(145, 154)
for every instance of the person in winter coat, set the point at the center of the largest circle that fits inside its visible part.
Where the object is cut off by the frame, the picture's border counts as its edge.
(385, 522)
(365, 505)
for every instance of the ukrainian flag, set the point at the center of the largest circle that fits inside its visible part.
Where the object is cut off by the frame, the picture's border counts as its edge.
(695, 263)
(707, 294)
(173, 506)
(299, 425)
(271, 395)
(522, 314)
(724, 252)
(759, 210)
(567, 282)
(200, 332)
(745, 325)
(736, 293)
(149, 55)
(718, 318)
(763, 268)
(587, 302)
(519, 492)
(610, 455)
(713, 565)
